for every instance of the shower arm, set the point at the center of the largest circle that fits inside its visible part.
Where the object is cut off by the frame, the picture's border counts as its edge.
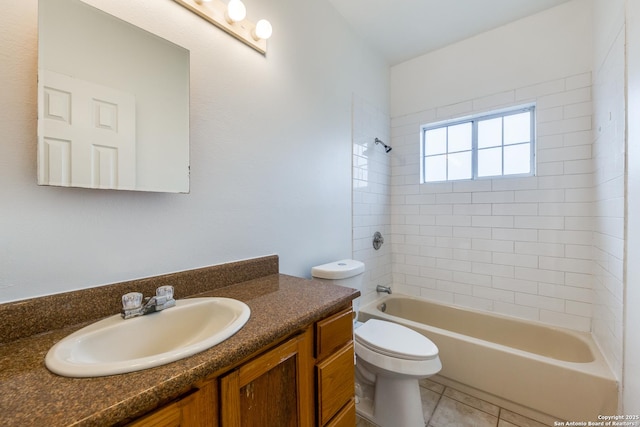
(386, 147)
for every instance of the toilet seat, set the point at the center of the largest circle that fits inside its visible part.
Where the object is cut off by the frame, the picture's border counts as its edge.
(394, 340)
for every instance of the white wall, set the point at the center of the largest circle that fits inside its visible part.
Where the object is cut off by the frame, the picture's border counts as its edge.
(631, 370)
(609, 178)
(515, 246)
(617, 185)
(371, 194)
(551, 44)
(270, 155)
(576, 223)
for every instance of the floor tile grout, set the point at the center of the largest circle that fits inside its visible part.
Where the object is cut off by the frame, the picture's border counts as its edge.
(434, 409)
(468, 413)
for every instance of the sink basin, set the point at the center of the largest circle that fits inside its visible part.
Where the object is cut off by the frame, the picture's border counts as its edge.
(115, 346)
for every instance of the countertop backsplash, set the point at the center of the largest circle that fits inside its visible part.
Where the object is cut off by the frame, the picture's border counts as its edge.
(25, 318)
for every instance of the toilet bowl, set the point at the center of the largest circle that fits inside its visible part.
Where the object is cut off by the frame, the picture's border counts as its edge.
(390, 359)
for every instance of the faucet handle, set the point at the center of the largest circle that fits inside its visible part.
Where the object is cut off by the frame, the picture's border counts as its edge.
(165, 291)
(132, 300)
(164, 297)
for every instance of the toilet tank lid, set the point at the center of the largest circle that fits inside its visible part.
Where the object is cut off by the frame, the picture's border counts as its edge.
(342, 269)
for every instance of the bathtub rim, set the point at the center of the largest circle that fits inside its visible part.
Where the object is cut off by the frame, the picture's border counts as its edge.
(598, 367)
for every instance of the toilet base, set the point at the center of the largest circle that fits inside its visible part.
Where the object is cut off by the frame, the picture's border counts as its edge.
(396, 403)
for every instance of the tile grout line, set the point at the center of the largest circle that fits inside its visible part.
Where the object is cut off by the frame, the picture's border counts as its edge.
(427, 423)
(498, 417)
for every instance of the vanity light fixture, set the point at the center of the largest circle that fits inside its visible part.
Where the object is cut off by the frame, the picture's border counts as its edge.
(236, 11)
(231, 19)
(262, 30)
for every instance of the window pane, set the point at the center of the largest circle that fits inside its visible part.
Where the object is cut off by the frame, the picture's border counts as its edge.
(517, 128)
(460, 165)
(435, 168)
(488, 145)
(517, 159)
(435, 141)
(460, 137)
(490, 162)
(490, 133)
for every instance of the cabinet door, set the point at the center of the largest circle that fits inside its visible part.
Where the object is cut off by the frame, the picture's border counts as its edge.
(272, 390)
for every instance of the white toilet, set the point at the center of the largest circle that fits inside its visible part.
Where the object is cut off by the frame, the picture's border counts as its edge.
(390, 358)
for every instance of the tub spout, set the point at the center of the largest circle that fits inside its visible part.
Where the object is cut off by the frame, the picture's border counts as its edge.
(381, 288)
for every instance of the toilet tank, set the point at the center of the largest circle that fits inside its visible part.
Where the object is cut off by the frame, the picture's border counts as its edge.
(346, 272)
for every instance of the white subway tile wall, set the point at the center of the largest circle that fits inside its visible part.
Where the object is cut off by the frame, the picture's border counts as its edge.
(371, 194)
(516, 246)
(609, 196)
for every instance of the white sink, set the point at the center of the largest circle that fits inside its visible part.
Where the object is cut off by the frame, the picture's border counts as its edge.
(115, 346)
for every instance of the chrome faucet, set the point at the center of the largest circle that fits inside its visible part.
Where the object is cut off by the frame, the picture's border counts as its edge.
(381, 288)
(134, 306)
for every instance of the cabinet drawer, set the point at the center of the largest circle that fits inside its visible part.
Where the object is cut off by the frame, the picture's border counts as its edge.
(346, 417)
(336, 383)
(333, 332)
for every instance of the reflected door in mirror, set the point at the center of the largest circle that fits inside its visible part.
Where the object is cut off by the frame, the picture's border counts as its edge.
(86, 134)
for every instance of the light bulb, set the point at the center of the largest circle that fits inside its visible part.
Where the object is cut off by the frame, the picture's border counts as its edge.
(236, 11)
(263, 30)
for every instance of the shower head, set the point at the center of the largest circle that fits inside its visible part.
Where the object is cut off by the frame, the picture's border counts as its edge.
(386, 147)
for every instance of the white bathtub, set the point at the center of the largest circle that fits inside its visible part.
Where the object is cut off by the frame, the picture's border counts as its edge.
(551, 370)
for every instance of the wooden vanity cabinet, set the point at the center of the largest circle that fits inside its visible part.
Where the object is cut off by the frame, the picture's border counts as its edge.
(308, 380)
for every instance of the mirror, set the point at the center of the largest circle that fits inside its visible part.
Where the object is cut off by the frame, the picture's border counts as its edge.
(113, 103)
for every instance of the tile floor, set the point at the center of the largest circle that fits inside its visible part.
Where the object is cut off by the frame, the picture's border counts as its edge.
(444, 406)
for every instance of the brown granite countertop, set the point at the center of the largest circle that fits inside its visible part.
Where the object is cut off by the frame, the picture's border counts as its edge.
(30, 395)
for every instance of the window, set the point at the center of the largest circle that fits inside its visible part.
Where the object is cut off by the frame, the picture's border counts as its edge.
(491, 145)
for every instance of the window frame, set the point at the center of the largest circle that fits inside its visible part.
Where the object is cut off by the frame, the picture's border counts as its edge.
(474, 119)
